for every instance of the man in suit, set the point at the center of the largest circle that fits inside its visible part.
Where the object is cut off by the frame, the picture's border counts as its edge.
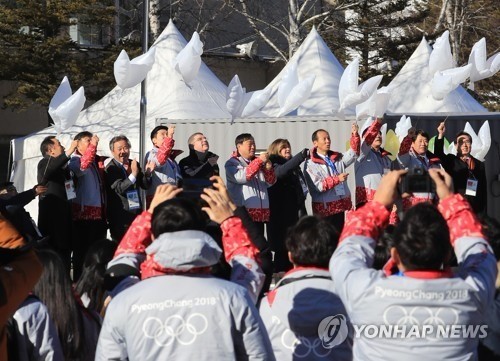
(54, 207)
(124, 178)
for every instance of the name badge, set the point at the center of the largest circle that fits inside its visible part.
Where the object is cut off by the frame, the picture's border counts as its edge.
(340, 189)
(69, 186)
(471, 187)
(133, 200)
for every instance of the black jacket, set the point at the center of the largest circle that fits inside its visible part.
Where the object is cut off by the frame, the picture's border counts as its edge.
(117, 186)
(460, 172)
(54, 208)
(196, 165)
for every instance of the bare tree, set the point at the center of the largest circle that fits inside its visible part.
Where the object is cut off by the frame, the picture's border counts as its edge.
(283, 24)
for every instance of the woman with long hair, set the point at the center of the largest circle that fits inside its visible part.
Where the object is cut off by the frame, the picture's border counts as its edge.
(78, 328)
(286, 198)
(90, 285)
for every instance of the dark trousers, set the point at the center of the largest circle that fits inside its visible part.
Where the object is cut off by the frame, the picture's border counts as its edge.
(85, 233)
(337, 220)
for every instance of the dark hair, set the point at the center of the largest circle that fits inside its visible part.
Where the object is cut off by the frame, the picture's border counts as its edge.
(54, 290)
(311, 241)
(91, 281)
(421, 132)
(242, 137)
(459, 134)
(118, 138)
(491, 230)
(46, 143)
(314, 136)
(177, 214)
(422, 238)
(82, 135)
(383, 248)
(156, 130)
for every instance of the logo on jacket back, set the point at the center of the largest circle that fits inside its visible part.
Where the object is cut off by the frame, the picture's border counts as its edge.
(333, 330)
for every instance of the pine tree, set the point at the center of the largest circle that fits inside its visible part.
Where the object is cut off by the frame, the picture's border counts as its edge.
(382, 33)
(36, 50)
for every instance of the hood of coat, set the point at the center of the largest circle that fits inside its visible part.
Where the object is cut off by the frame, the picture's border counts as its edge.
(184, 250)
(316, 158)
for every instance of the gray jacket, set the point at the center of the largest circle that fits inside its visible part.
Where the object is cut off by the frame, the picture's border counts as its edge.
(188, 314)
(36, 336)
(428, 300)
(293, 311)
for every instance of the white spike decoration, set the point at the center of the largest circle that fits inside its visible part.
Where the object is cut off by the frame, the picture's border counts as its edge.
(65, 107)
(130, 73)
(235, 97)
(292, 92)
(482, 68)
(187, 63)
(402, 127)
(441, 57)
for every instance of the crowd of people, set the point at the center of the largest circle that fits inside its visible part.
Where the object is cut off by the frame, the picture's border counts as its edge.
(237, 269)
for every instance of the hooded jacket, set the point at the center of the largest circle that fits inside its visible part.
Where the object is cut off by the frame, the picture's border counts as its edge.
(294, 309)
(418, 299)
(88, 169)
(180, 311)
(370, 166)
(409, 159)
(247, 184)
(166, 171)
(323, 182)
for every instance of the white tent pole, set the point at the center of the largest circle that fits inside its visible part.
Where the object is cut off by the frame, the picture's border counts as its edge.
(143, 111)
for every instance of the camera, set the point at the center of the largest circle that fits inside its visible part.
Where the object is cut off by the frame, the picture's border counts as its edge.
(417, 180)
(192, 188)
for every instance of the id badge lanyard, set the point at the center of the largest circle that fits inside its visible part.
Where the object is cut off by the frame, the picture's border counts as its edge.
(339, 188)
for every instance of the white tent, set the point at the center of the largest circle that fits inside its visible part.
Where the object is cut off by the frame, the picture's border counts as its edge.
(411, 89)
(312, 58)
(118, 111)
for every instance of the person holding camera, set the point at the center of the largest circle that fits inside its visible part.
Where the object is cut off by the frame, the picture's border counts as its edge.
(248, 178)
(200, 163)
(414, 156)
(326, 176)
(419, 305)
(468, 173)
(286, 198)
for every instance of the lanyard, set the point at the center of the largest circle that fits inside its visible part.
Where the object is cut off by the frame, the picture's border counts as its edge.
(331, 165)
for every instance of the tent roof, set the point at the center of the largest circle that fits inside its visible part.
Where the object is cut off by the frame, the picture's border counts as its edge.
(411, 89)
(168, 96)
(312, 57)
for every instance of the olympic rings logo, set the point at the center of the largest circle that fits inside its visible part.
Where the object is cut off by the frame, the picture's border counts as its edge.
(302, 347)
(421, 316)
(175, 329)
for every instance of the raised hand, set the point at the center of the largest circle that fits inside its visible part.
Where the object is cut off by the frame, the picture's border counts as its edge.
(163, 193)
(94, 140)
(443, 181)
